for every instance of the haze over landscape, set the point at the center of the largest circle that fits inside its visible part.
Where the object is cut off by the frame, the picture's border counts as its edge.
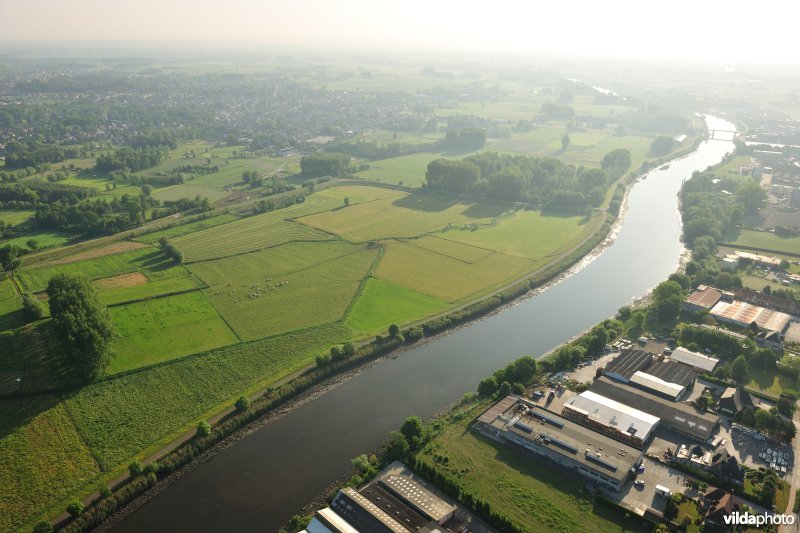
(339, 266)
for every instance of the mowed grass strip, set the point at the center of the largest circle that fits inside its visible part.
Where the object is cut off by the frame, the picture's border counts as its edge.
(36, 279)
(764, 240)
(138, 286)
(42, 458)
(253, 233)
(383, 303)
(446, 278)
(529, 234)
(288, 287)
(404, 216)
(161, 329)
(185, 229)
(534, 495)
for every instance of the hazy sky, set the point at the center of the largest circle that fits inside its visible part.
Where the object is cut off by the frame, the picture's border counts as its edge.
(726, 31)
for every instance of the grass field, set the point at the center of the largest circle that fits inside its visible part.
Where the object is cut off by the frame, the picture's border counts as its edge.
(185, 229)
(383, 303)
(535, 496)
(405, 169)
(9, 306)
(311, 284)
(403, 215)
(122, 288)
(764, 240)
(33, 354)
(254, 233)
(15, 217)
(444, 277)
(42, 458)
(35, 279)
(161, 329)
(43, 238)
(530, 235)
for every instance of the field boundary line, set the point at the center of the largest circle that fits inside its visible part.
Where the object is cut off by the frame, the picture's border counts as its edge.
(367, 276)
(257, 250)
(157, 296)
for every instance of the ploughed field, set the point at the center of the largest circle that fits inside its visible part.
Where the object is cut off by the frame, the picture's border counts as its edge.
(257, 298)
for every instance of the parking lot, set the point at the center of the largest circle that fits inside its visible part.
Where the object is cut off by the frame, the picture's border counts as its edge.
(639, 498)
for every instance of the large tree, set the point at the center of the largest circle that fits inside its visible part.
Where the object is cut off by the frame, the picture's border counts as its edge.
(10, 257)
(667, 298)
(83, 322)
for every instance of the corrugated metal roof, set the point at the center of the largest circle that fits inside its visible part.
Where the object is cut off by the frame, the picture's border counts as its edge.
(697, 360)
(653, 383)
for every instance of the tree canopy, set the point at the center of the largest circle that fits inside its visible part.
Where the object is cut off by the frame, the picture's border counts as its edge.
(82, 321)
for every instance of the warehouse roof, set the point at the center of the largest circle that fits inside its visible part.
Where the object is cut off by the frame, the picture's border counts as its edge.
(593, 450)
(677, 414)
(629, 362)
(672, 372)
(705, 297)
(693, 359)
(613, 414)
(653, 383)
(423, 500)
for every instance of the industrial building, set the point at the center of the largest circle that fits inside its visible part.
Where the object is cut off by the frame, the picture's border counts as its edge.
(704, 298)
(395, 503)
(676, 416)
(697, 361)
(650, 372)
(726, 308)
(733, 400)
(612, 418)
(560, 441)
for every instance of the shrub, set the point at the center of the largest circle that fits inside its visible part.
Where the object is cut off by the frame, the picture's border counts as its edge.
(135, 468)
(203, 429)
(75, 508)
(242, 404)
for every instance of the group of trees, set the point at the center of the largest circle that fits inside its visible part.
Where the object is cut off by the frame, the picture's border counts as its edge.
(662, 145)
(170, 250)
(769, 423)
(464, 140)
(82, 321)
(33, 152)
(545, 182)
(94, 217)
(133, 159)
(324, 164)
(513, 378)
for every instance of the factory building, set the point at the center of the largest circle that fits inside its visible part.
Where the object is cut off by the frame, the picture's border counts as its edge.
(697, 361)
(676, 416)
(670, 380)
(560, 442)
(612, 418)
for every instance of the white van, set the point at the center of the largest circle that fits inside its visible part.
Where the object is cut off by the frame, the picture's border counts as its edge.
(663, 491)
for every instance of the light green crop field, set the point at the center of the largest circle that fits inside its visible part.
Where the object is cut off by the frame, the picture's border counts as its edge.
(9, 306)
(15, 217)
(137, 285)
(289, 287)
(530, 235)
(405, 169)
(405, 215)
(43, 238)
(254, 233)
(446, 278)
(383, 303)
(533, 495)
(161, 329)
(36, 279)
(185, 229)
(764, 240)
(42, 458)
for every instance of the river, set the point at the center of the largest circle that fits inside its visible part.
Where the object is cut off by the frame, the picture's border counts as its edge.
(261, 481)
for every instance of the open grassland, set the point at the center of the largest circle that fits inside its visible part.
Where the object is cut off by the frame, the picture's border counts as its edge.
(36, 279)
(185, 229)
(405, 169)
(161, 329)
(530, 235)
(100, 251)
(383, 303)
(9, 306)
(535, 496)
(448, 278)
(138, 286)
(32, 360)
(288, 287)
(43, 238)
(42, 458)
(769, 242)
(439, 244)
(405, 215)
(15, 217)
(254, 233)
